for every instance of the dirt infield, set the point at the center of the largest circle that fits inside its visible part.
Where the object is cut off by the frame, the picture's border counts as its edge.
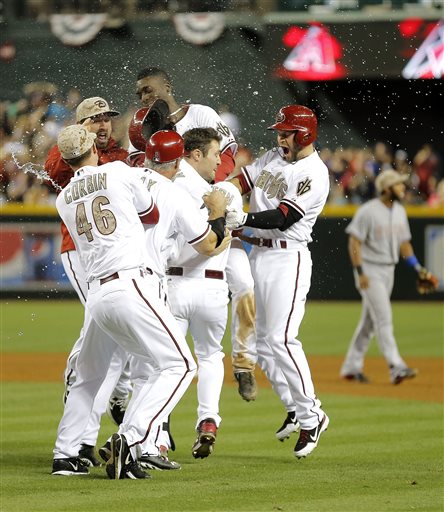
(428, 386)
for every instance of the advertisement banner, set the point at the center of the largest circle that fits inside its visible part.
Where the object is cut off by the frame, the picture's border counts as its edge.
(30, 257)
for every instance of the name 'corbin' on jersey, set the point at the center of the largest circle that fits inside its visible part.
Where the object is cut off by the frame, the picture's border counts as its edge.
(85, 186)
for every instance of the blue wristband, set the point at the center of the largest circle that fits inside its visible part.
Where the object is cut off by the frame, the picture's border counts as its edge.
(412, 261)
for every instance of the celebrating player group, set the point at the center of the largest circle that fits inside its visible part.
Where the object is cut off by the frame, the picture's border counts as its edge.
(153, 244)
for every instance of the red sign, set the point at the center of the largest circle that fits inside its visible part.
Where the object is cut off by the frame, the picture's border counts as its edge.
(314, 56)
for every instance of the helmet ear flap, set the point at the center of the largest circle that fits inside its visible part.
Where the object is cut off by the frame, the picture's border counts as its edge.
(303, 136)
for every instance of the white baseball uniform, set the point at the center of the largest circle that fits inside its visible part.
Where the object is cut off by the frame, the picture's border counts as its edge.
(179, 218)
(201, 116)
(198, 297)
(238, 271)
(101, 208)
(281, 270)
(381, 231)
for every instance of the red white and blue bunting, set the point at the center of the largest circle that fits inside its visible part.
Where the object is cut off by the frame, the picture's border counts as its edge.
(200, 28)
(77, 29)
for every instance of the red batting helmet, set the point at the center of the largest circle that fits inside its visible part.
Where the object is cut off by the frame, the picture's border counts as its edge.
(299, 119)
(147, 121)
(164, 146)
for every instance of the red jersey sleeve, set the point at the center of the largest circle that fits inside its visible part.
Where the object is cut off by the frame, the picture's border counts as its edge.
(58, 170)
(226, 166)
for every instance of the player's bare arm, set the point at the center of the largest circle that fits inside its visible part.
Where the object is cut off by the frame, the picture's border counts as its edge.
(354, 251)
(216, 202)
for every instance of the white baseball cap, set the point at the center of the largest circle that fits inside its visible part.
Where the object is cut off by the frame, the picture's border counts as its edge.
(93, 107)
(74, 141)
(389, 178)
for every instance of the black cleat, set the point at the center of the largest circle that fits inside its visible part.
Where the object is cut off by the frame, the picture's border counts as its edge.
(87, 455)
(308, 439)
(105, 451)
(289, 426)
(121, 464)
(159, 462)
(69, 466)
(116, 409)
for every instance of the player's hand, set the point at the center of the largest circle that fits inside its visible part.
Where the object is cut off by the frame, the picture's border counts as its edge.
(234, 219)
(87, 123)
(216, 201)
(223, 245)
(364, 282)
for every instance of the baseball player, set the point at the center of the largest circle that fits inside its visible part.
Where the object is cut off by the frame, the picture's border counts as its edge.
(378, 234)
(179, 216)
(103, 209)
(95, 115)
(289, 186)
(197, 289)
(154, 85)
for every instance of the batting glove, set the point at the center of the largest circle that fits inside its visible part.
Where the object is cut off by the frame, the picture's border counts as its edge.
(234, 219)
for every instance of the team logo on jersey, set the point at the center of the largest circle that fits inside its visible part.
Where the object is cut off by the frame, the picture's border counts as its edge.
(223, 130)
(273, 186)
(303, 186)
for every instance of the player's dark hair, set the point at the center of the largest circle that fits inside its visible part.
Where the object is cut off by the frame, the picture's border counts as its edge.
(200, 138)
(153, 71)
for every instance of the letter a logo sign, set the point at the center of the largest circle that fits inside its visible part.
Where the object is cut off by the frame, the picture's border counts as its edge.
(428, 61)
(314, 57)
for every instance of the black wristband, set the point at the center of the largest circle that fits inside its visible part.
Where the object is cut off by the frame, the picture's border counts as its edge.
(218, 226)
(359, 270)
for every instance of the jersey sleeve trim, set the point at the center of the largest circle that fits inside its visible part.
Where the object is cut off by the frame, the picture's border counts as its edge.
(145, 212)
(293, 205)
(231, 143)
(201, 237)
(245, 181)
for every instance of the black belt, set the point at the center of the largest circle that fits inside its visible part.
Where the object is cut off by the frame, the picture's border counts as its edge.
(209, 274)
(263, 242)
(114, 276)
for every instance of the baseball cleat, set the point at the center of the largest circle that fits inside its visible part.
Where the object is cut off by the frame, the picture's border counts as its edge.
(290, 425)
(159, 462)
(357, 377)
(247, 385)
(105, 451)
(116, 409)
(308, 439)
(69, 467)
(397, 375)
(206, 437)
(87, 455)
(121, 463)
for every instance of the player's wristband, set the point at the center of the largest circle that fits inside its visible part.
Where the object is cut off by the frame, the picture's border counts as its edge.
(412, 261)
(218, 227)
(359, 270)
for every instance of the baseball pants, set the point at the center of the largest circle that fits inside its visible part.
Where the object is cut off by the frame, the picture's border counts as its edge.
(127, 313)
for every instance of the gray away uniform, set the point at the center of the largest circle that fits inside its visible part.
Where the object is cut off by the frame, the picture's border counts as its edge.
(381, 231)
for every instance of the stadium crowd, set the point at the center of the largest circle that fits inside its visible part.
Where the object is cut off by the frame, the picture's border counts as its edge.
(30, 125)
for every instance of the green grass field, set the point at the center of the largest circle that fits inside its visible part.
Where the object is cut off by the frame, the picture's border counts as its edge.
(379, 454)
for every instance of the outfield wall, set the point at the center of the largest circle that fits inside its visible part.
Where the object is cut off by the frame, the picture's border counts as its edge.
(30, 258)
